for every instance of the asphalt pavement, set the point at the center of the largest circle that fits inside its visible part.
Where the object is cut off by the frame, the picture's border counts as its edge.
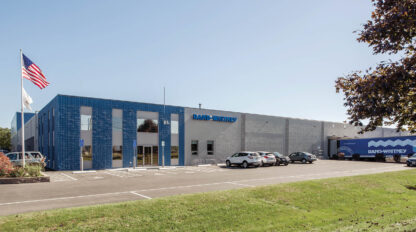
(67, 189)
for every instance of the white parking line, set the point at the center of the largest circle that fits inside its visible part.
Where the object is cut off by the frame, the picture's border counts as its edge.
(141, 195)
(70, 177)
(245, 185)
(175, 187)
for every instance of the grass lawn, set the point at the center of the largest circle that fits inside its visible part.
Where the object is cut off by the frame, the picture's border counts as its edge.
(380, 202)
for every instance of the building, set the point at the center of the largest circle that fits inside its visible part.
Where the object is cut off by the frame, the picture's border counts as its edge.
(114, 134)
(29, 136)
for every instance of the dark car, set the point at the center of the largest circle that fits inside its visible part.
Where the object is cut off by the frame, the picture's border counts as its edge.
(281, 159)
(411, 161)
(302, 157)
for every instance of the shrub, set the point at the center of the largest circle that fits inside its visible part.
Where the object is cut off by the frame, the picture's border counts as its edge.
(5, 165)
(33, 170)
(18, 172)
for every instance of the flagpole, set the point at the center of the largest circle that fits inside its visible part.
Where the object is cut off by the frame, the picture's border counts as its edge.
(164, 119)
(23, 118)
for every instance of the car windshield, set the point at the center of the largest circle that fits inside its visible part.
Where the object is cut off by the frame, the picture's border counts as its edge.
(278, 154)
(36, 155)
(414, 156)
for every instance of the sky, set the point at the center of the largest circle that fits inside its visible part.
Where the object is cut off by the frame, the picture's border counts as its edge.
(265, 57)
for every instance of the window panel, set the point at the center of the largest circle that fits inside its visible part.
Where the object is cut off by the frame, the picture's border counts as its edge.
(87, 152)
(117, 152)
(210, 147)
(86, 122)
(147, 125)
(194, 147)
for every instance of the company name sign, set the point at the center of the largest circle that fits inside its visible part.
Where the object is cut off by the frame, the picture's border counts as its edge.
(213, 118)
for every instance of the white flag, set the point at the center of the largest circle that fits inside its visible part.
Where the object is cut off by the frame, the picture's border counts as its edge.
(27, 100)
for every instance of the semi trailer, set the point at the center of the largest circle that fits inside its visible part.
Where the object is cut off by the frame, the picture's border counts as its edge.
(390, 149)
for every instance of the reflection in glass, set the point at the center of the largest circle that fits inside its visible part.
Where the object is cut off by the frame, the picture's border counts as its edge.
(117, 152)
(117, 124)
(174, 155)
(174, 127)
(87, 152)
(139, 155)
(147, 125)
(194, 147)
(147, 155)
(86, 122)
(210, 147)
(155, 156)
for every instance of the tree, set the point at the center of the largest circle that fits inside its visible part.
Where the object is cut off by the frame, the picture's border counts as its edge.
(5, 139)
(385, 95)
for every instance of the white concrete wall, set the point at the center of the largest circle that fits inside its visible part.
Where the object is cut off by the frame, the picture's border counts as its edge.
(226, 136)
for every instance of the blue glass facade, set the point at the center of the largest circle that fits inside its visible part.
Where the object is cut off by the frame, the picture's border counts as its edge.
(59, 131)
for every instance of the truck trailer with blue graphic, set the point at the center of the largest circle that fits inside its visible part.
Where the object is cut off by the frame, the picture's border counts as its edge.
(391, 149)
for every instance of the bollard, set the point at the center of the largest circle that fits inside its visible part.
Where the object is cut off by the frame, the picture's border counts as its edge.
(82, 164)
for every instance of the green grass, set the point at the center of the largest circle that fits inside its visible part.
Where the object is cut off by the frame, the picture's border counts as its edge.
(380, 202)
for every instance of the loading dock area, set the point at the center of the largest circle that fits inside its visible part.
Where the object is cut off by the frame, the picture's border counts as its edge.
(108, 186)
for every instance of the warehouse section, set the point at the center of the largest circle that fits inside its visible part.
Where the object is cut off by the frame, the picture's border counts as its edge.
(81, 132)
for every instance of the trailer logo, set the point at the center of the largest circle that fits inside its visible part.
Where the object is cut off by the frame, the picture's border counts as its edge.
(397, 142)
(213, 118)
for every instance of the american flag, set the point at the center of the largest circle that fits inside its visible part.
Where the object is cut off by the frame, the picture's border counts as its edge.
(33, 73)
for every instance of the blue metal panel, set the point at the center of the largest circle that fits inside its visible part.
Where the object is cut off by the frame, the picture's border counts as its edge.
(101, 136)
(129, 134)
(67, 130)
(18, 116)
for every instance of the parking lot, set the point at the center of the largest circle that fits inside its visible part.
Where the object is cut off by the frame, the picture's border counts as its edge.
(67, 189)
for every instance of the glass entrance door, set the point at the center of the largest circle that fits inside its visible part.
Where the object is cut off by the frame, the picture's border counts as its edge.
(148, 155)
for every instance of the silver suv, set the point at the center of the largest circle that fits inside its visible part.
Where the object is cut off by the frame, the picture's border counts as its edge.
(244, 159)
(31, 157)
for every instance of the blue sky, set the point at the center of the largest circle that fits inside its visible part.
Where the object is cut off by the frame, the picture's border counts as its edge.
(266, 57)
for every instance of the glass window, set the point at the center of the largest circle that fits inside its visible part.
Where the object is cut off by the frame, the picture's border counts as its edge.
(117, 152)
(147, 125)
(117, 124)
(155, 156)
(194, 147)
(12, 156)
(174, 127)
(86, 122)
(210, 147)
(174, 155)
(139, 155)
(87, 152)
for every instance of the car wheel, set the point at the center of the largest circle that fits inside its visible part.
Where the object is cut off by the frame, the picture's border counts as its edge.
(292, 161)
(277, 164)
(310, 162)
(286, 163)
(245, 164)
(408, 164)
(228, 163)
(262, 164)
(304, 161)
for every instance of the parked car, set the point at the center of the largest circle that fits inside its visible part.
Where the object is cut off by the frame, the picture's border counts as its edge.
(302, 157)
(411, 161)
(281, 159)
(244, 159)
(31, 157)
(267, 158)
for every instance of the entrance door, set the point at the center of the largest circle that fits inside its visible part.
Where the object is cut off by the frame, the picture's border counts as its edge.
(148, 155)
